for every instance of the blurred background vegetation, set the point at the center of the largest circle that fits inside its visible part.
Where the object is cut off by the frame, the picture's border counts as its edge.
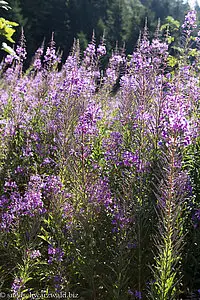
(119, 20)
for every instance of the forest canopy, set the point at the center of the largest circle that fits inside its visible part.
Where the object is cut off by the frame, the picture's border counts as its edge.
(119, 20)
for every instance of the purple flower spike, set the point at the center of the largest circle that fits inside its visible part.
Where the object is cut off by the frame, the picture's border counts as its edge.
(101, 50)
(190, 20)
(88, 121)
(35, 254)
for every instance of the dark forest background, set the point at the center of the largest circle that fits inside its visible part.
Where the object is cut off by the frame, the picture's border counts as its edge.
(119, 20)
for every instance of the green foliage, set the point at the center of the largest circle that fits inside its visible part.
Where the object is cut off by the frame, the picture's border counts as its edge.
(171, 24)
(6, 29)
(172, 61)
(81, 36)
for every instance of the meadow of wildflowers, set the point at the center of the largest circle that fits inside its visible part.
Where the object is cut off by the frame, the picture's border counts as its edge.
(100, 189)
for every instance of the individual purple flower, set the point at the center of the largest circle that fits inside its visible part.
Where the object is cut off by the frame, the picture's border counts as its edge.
(35, 254)
(50, 56)
(47, 161)
(19, 170)
(10, 186)
(138, 295)
(57, 282)
(101, 50)
(16, 285)
(119, 220)
(130, 292)
(196, 218)
(55, 254)
(90, 50)
(129, 159)
(135, 294)
(131, 245)
(9, 59)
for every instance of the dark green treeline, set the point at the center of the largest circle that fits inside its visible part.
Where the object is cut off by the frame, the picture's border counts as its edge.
(120, 20)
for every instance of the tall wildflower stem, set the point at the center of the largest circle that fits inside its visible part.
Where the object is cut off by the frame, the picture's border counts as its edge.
(140, 204)
(83, 163)
(169, 241)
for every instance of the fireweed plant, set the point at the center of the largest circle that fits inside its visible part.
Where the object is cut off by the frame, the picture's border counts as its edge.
(100, 190)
